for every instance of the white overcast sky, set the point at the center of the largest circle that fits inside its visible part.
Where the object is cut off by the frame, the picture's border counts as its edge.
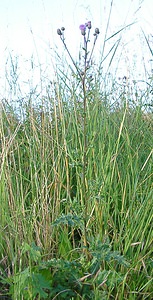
(28, 28)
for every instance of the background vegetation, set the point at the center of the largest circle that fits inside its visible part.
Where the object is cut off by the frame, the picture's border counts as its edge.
(72, 228)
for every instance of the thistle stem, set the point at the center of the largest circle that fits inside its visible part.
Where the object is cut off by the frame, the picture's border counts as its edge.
(83, 76)
(79, 73)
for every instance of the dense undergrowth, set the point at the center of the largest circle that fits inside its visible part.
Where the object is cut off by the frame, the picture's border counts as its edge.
(76, 195)
(42, 250)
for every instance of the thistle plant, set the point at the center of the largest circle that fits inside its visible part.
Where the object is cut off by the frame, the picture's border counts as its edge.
(83, 76)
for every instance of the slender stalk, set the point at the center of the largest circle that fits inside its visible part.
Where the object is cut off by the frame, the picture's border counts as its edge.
(78, 71)
(94, 43)
(83, 76)
(84, 157)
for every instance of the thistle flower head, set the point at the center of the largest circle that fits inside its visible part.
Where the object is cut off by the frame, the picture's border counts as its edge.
(82, 27)
(59, 32)
(97, 31)
(89, 25)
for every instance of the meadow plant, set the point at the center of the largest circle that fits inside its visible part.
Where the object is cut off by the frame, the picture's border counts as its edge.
(83, 76)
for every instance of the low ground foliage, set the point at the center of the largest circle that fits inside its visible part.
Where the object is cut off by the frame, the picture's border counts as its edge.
(42, 250)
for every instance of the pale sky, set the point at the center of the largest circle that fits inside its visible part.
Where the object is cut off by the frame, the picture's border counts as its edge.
(28, 30)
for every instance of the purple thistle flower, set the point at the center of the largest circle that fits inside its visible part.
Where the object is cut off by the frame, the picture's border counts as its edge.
(82, 27)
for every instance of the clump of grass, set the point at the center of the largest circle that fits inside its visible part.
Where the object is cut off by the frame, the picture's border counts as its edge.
(76, 194)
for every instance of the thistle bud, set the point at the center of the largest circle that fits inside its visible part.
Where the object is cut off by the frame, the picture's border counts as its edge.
(89, 24)
(59, 31)
(97, 31)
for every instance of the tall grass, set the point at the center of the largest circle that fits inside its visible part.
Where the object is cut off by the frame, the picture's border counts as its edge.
(42, 188)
